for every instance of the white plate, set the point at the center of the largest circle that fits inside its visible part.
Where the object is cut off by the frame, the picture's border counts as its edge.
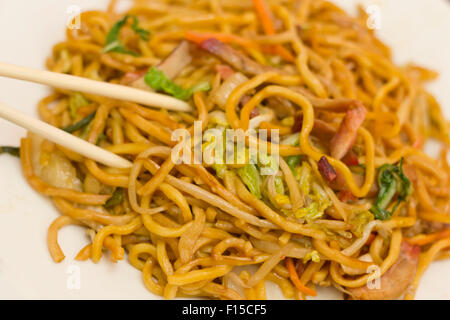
(417, 31)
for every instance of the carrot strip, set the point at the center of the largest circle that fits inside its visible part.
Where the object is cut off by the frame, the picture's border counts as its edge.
(423, 239)
(265, 16)
(266, 19)
(296, 281)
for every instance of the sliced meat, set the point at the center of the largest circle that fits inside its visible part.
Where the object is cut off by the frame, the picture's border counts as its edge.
(131, 77)
(336, 105)
(396, 280)
(346, 134)
(249, 67)
(346, 196)
(177, 60)
(220, 96)
(350, 158)
(320, 129)
(326, 169)
(234, 58)
(254, 113)
(224, 71)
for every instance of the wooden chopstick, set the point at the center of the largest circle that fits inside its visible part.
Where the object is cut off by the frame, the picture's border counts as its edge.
(63, 138)
(74, 83)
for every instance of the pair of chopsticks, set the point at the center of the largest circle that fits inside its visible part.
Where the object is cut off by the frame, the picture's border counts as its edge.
(64, 81)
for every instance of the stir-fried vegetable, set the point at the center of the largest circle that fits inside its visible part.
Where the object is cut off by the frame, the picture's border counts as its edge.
(14, 151)
(303, 175)
(113, 44)
(273, 191)
(218, 119)
(315, 197)
(116, 198)
(220, 169)
(316, 209)
(157, 80)
(326, 169)
(291, 140)
(359, 222)
(249, 175)
(313, 256)
(424, 239)
(391, 181)
(293, 161)
(76, 101)
(293, 275)
(80, 124)
(266, 19)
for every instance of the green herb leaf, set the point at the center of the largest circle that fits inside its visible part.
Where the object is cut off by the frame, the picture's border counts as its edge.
(80, 124)
(116, 198)
(76, 101)
(391, 181)
(249, 175)
(113, 44)
(14, 151)
(144, 34)
(157, 80)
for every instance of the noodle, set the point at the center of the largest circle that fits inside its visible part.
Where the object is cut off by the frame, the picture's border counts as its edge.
(350, 185)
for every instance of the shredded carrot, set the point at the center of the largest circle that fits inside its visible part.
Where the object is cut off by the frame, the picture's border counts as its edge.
(265, 16)
(423, 239)
(199, 37)
(266, 19)
(296, 280)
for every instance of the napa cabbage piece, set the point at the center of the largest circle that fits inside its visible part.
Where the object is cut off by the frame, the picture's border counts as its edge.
(273, 191)
(391, 181)
(53, 167)
(264, 115)
(220, 96)
(293, 161)
(250, 176)
(221, 169)
(315, 209)
(76, 101)
(158, 81)
(315, 196)
(217, 119)
(291, 140)
(359, 222)
(268, 163)
(313, 256)
(303, 174)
